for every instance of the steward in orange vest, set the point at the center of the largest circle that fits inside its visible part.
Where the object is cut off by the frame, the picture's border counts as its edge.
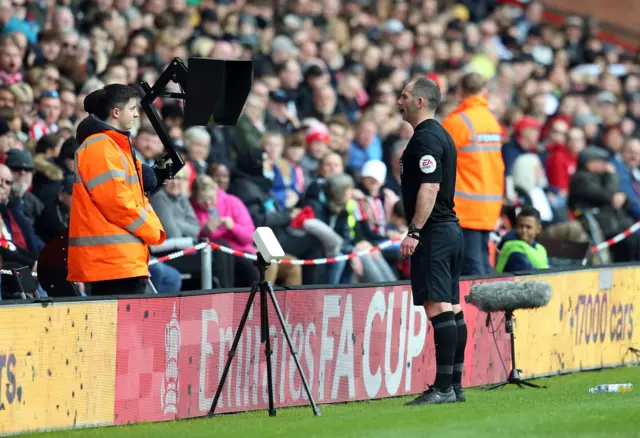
(111, 222)
(480, 171)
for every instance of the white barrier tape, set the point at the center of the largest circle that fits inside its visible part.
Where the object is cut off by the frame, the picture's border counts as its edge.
(322, 261)
(616, 239)
(171, 256)
(610, 242)
(494, 236)
(179, 254)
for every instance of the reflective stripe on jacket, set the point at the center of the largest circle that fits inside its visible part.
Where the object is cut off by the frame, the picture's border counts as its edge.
(480, 169)
(111, 222)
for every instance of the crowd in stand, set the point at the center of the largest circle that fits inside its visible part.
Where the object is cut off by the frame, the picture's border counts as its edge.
(315, 153)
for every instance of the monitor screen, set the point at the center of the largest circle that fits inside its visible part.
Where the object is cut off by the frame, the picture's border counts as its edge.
(216, 91)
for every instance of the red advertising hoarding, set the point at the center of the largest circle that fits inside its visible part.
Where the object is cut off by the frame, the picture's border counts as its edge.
(353, 344)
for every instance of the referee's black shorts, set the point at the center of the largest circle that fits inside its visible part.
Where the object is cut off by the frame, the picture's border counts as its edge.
(436, 265)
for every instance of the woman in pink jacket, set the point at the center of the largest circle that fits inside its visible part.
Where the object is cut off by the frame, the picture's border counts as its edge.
(224, 219)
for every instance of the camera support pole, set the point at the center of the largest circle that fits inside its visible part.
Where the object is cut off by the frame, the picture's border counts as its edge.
(265, 288)
(175, 72)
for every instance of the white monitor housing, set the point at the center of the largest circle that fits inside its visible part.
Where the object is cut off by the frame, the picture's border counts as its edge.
(268, 244)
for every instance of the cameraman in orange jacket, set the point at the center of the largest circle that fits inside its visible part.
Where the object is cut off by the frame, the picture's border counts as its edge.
(111, 223)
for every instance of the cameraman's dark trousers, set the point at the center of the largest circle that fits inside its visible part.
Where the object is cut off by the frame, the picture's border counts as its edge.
(120, 286)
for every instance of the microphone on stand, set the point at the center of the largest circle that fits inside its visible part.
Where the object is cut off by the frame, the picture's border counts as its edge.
(505, 296)
(508, 296)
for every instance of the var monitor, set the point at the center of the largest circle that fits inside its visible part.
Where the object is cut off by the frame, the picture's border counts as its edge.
(216, 91)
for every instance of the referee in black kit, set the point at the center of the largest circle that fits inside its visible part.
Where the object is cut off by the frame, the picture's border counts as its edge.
(434, 242)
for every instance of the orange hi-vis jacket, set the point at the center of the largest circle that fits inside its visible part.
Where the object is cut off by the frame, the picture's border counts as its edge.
(111, 222)
(480, 169)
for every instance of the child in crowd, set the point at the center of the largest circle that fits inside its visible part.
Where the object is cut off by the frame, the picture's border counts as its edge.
(519, 250)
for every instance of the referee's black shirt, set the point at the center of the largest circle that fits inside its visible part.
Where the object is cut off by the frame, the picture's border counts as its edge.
(430, 157)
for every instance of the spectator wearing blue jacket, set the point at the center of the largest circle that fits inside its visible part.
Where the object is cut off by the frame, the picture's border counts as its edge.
(365, 147)
(629, 175)
(519, 250)
(287, 185)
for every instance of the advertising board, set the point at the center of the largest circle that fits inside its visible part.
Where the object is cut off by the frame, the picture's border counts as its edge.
(589, 323)
(57, 366)
(70, 365)
(353, 344)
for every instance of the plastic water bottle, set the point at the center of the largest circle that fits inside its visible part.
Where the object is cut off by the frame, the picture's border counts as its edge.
(213, 213)
(612, 387)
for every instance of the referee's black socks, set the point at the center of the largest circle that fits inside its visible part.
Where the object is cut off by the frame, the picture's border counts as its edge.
(445, 334)
(458, 360)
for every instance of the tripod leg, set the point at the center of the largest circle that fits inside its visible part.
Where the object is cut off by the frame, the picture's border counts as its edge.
(294, 353)
(266, 339)
(532, 385)
(496, 386)
(232, 352)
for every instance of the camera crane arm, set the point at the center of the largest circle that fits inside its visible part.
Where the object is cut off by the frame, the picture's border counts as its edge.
(172, 162)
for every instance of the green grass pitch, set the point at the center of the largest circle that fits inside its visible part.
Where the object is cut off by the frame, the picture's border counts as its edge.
(565, 409)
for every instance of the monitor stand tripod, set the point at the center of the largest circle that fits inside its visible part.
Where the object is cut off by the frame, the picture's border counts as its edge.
(265, 288)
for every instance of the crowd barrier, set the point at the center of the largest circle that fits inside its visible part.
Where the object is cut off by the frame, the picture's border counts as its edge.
(79, 364)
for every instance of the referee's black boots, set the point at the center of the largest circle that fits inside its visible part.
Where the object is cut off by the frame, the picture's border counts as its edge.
(433, 396)
(459, 390)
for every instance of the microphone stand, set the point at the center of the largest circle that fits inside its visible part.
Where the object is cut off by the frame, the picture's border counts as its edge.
(514, 374)
(265, 288)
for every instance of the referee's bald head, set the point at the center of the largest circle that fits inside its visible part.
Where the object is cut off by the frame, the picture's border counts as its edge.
(419, 100)
(428, 90)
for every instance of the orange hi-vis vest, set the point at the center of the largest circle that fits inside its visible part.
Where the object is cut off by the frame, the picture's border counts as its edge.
(480, 169)
(111, 222)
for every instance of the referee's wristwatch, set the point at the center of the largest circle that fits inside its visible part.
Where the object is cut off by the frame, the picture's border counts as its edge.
(414, 232)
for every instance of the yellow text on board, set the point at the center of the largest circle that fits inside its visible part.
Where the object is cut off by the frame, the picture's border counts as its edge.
(592, 321)
(57, 366)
